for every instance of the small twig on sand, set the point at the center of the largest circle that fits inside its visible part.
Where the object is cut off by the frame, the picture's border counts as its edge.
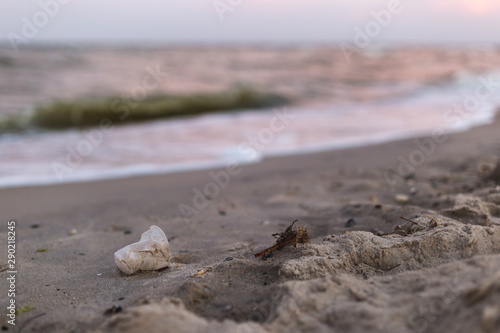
(404, 218)
(32, 318)
(399, 230)
(432, 218)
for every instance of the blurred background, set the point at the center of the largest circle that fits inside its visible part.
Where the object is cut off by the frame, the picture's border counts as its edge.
(92, 90)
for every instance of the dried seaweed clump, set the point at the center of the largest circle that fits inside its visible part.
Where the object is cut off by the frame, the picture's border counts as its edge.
(289, 236)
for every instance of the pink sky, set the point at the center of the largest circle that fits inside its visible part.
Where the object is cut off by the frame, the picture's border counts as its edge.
(474, 7)
(285, 21)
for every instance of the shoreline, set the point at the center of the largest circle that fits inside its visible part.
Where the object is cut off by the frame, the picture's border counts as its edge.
(268, 163)
(186, 167)
(75, 281)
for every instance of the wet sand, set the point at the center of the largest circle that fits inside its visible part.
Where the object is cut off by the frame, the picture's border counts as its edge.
(433, 274)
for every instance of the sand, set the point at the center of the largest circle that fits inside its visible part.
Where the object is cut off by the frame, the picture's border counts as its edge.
(438, 272)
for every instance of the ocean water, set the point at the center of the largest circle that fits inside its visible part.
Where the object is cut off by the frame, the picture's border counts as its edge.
(393, 94)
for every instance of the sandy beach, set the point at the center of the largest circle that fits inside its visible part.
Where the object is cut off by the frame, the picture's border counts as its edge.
(438, 272)
(250, 167)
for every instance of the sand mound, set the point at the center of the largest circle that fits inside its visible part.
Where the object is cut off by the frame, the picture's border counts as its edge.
(170, 315)
(365, 254)
(470, 209)
(427, 300)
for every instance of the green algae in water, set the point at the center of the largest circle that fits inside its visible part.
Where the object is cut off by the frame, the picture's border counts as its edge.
(117, 110)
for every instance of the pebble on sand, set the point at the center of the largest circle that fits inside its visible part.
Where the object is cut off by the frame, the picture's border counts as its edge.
(350, 223)
(402, 198)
